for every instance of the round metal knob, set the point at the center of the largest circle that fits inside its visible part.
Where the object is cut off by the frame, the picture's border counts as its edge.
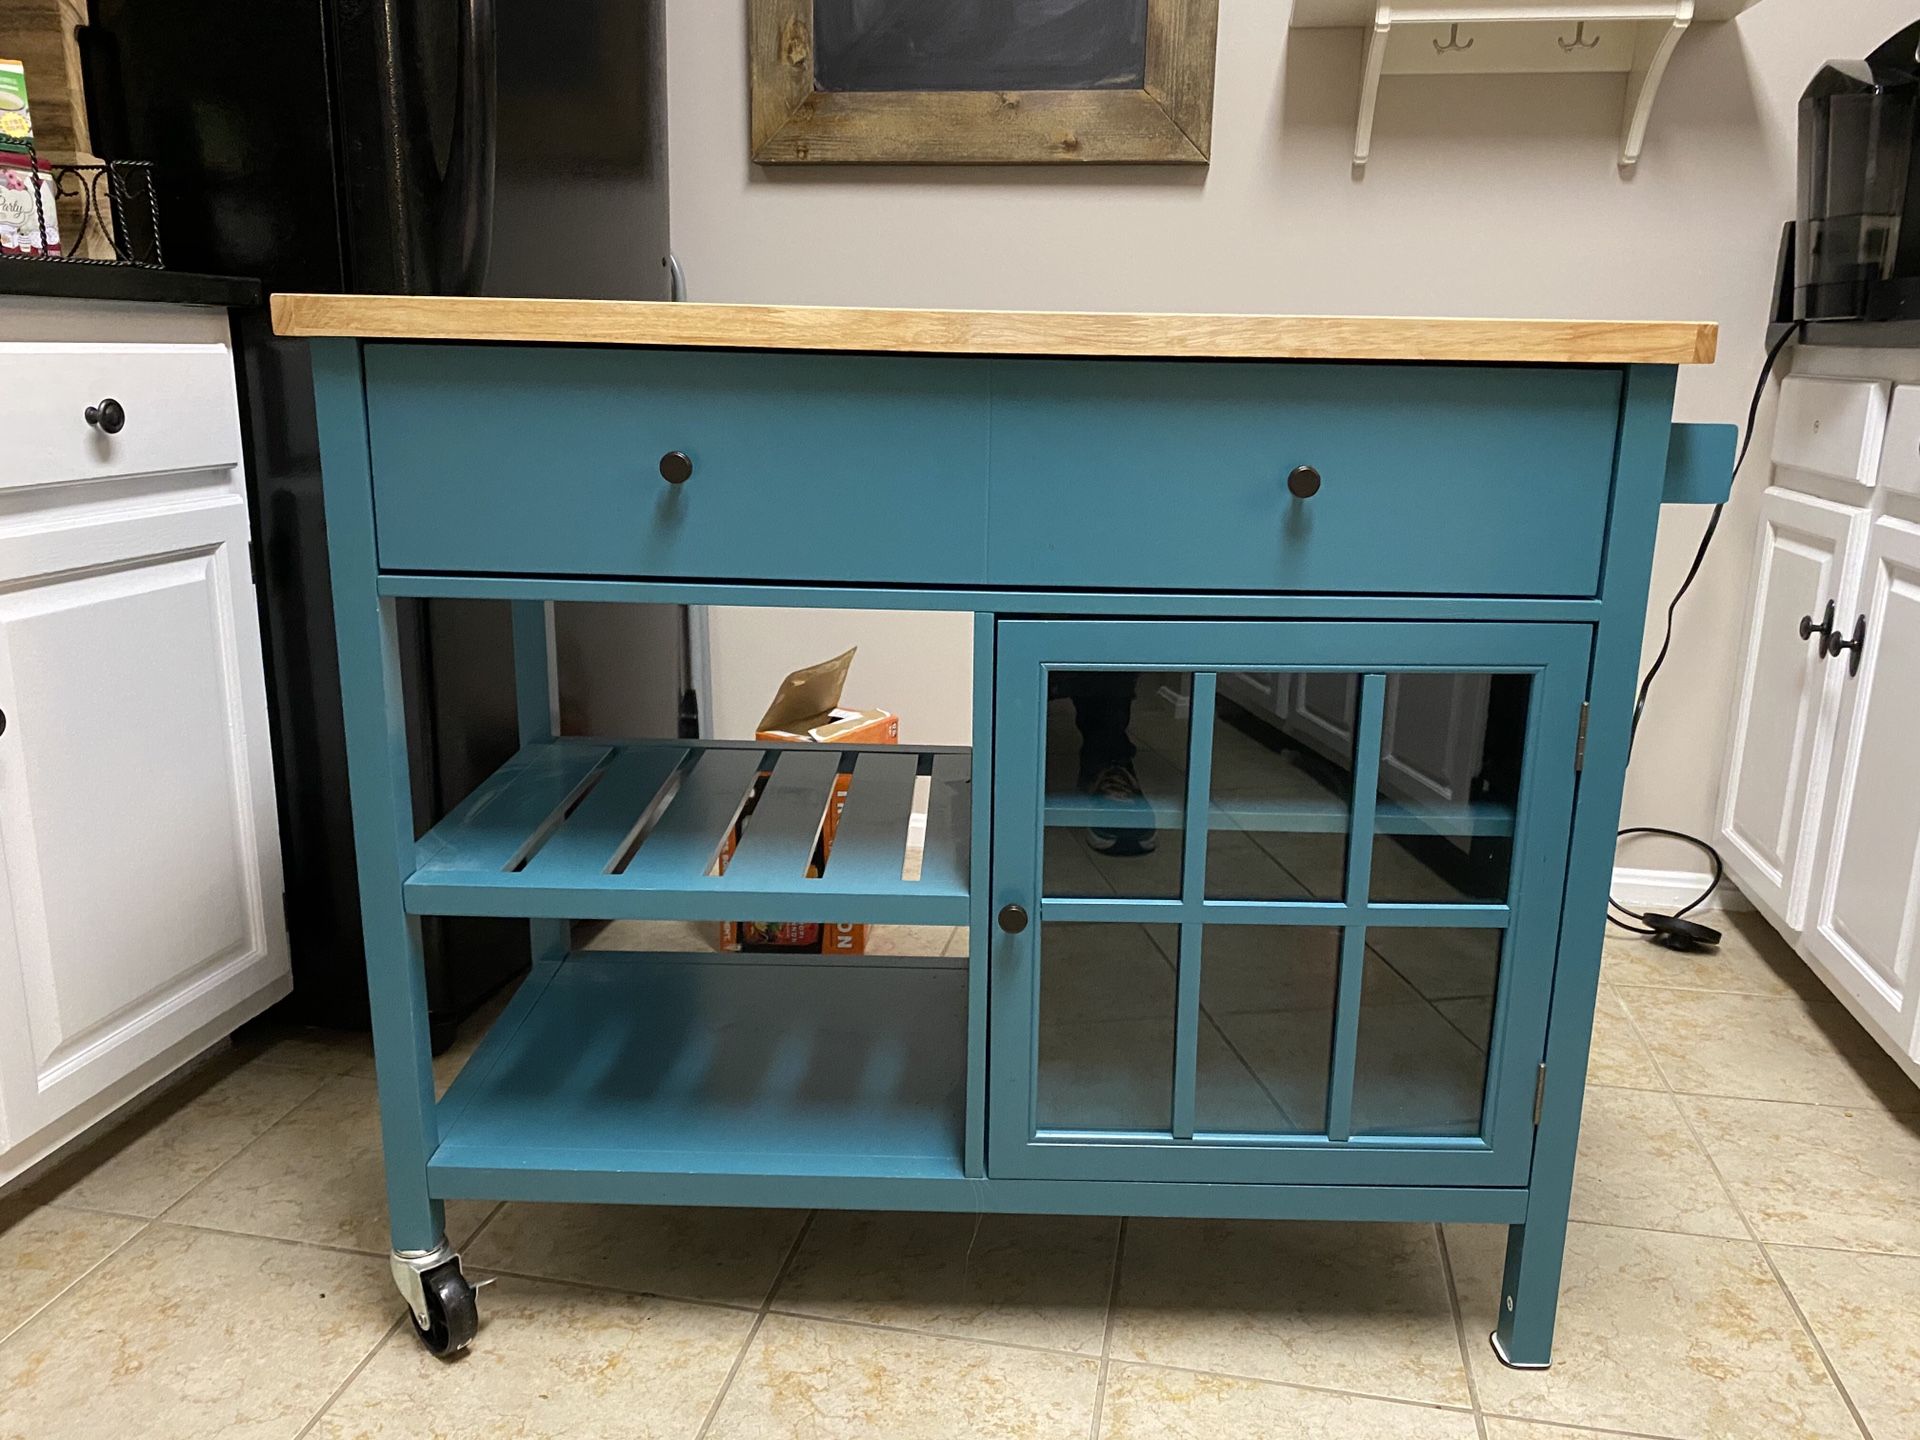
(1013, 919)
(676, 467)
(3, 722)
(108, 416)
(1824, 629)
(1304, 482)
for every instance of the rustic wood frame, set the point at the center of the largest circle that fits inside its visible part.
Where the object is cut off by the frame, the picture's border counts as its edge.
(1168, 121)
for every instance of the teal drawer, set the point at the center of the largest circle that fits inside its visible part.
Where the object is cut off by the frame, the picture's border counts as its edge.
(1173, 475)
(515, 459)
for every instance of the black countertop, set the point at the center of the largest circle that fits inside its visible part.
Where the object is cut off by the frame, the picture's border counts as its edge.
(76, 280)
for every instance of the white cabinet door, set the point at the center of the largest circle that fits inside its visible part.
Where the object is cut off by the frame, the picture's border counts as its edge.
(139, 859)
(1866, 908)
(1320, 713)
(1784, 700)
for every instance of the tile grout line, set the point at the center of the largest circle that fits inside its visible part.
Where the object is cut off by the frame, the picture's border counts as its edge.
(211, 1175)
(1871, 1099)
(1842, 1250)
(1406, 1401)
(116, 1127)
(1460, 1329)
(353, 1374)
(1106, 1331)
(753, 1330)
(68, 1288)
(567, 1283)
(1753, 1234)
(1573, 1429)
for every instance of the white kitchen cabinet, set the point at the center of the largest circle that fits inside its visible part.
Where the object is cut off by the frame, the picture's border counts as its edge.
(1786, 695)
(140, 896)
(1819, 820)
(1865, 922)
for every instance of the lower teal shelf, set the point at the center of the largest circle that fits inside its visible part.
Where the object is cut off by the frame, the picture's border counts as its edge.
(719, 1066)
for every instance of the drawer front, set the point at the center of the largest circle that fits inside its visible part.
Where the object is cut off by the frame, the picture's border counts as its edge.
(1831, 427)
(1900, 454)
(548, 461)
(177, 403)
(1455, 479)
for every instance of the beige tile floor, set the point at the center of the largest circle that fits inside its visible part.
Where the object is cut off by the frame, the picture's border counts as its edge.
(1745, 1262)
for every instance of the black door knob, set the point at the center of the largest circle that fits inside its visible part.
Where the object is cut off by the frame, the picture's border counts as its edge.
(1835, 647)
(1824, 629)
(1304, 482)
(3, 722)
(676, 467)
(1013, 919)
(108, 416)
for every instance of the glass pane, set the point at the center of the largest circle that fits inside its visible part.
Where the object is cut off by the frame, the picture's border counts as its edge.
(1106, 1026)
(1266, 998)
(1282, 786)
(1426, 1025)
(1450, 756)
(1116, 780)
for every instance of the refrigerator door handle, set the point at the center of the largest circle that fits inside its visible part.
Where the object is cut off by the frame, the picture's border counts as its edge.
(466, 199)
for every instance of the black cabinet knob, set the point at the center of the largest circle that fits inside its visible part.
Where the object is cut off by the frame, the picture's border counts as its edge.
(1013, 919)
(109, 416)
(676, 467)
(1824, 629)
(1835, 647)
(1304, 482)
(3, 722)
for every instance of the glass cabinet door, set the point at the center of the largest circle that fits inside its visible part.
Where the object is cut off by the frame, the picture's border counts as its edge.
(1294, 890)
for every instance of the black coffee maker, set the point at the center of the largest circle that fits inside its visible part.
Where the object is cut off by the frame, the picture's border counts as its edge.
(1857, 251)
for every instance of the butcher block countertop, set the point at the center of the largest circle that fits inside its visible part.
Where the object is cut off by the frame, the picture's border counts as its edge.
(996, 332)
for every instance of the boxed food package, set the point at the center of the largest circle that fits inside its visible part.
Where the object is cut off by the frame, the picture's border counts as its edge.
(16, 120)
(807, 708)
(26, 228)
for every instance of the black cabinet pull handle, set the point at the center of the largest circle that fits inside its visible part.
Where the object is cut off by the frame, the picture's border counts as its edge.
(1824, 629)
(1836, 647)
(1304, 482)
(109, 416)
(1013, 919)
(676, 467)
(3, 722)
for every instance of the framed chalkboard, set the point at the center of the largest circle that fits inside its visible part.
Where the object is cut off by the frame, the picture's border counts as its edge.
(982, 81)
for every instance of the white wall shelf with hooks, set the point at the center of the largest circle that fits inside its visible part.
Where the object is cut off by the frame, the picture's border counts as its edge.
(1634, 38)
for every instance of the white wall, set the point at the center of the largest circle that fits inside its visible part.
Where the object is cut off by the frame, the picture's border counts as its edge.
(1485, 196)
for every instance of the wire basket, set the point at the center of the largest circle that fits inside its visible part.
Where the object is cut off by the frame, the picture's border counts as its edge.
(103, 214)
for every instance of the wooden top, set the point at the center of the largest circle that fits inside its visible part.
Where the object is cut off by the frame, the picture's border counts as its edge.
(995, 332)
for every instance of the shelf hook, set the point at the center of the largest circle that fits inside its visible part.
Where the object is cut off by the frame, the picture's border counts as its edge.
(1580, 40)
(1454, 42)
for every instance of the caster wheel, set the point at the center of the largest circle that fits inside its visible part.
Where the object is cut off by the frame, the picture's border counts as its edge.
(451, 1312)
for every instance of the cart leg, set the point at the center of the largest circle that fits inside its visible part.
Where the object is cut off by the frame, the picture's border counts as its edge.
(366, 627)
(537, 702)
(1530, 1294)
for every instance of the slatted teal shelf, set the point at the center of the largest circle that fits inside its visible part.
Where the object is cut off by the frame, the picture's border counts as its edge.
(605, 830)
(1295, 816)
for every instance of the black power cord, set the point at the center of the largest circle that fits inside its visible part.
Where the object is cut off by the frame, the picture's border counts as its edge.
(1674, 930)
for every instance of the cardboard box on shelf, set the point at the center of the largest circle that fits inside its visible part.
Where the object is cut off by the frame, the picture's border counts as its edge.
(807, 708)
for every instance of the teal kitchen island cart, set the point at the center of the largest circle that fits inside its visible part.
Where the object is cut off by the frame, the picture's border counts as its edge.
(1304, 652)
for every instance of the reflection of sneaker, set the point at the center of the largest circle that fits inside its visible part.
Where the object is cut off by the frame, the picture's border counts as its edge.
(1117, 786)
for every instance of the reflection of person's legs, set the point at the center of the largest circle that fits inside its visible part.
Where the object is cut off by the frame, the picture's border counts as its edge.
(1103, 709)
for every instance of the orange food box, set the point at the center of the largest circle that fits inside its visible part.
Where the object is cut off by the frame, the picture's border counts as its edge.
(807, 708)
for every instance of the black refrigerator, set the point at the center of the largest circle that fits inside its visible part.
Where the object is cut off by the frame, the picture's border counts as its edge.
(502, 147)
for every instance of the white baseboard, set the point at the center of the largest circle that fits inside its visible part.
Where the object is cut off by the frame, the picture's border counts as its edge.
(1664, 890)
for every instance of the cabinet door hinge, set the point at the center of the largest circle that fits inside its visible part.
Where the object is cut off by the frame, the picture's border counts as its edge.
(1539, 1094)
(1580, 745)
